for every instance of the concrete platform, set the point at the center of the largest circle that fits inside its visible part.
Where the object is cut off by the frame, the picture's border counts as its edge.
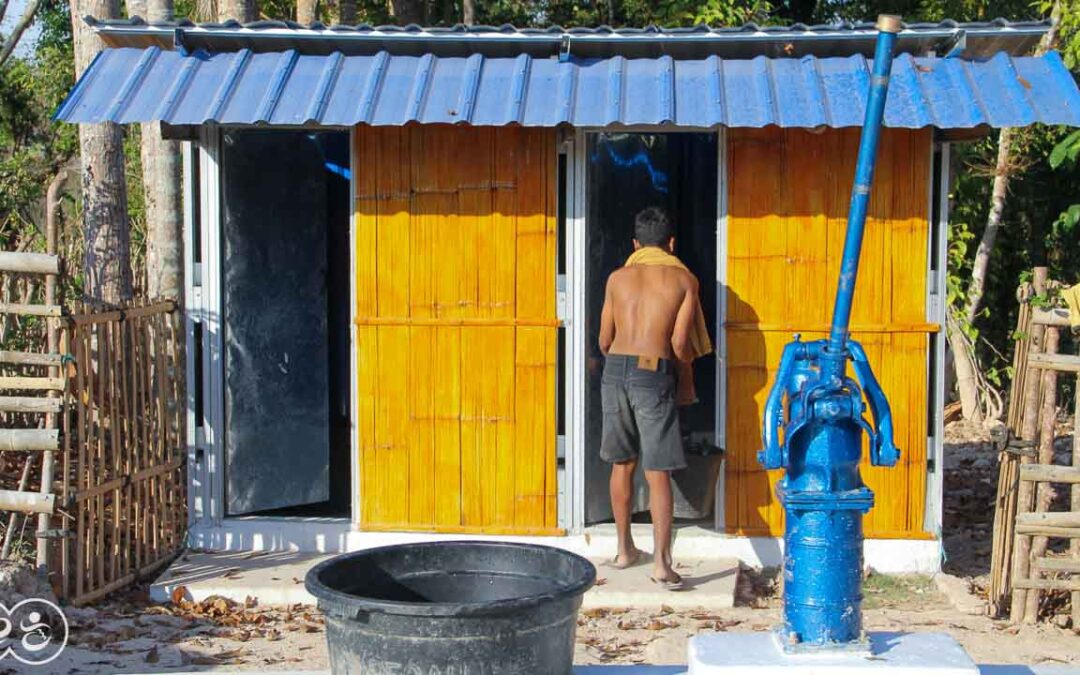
(706, 583)
(271, 578)
(278, 579)
(894, 653)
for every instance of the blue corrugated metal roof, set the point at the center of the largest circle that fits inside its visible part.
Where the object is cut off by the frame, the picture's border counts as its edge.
(289, 88)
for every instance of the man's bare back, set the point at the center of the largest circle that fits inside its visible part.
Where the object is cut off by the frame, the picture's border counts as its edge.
(649, 311)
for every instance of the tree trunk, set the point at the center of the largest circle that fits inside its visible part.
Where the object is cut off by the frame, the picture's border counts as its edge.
(408, 11)
(306, 11)
(240, 10)
(347, 12)
(161, 182)
(967, 384)
(993, 225)
(101, 147)
(468, 12)
(17, 32)
(206, 10)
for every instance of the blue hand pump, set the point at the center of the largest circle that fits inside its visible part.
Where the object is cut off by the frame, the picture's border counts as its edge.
(814, 426)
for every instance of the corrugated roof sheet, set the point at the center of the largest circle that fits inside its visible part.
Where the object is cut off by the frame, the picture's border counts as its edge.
(289, 88)
(971, 40)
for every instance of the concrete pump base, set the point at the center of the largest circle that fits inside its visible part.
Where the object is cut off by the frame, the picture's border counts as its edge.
(760, 654)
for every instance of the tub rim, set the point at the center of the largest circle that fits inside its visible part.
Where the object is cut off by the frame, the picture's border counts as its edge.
(339, 603)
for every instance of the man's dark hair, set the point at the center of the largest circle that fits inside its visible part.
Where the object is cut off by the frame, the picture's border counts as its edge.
(652, 227)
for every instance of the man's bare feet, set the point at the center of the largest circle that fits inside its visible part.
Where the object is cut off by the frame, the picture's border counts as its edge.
(668, 578)
(627, 559)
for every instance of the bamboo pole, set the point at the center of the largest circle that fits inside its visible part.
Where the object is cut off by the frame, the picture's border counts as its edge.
(29, 404)
(1008, 463)
(36, 440)
(28, 359)
(1048, 585)
(1060, 362)
(33, 383)
(9, 534)
(1044, 491)
(1074, 504)
(26, 502)
(47, 310)
(1025, 491)
(1051, 473)
(29, 263)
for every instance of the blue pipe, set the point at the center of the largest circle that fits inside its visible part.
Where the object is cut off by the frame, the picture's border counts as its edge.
(860, 194)
(813, 429)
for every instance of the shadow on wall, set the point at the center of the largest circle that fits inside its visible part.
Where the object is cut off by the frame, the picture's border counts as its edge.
(747, 488)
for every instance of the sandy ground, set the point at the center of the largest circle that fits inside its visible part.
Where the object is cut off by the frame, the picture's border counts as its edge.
(130, 634)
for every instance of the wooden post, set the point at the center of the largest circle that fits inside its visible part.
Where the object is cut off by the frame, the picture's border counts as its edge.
(52, 332)
(1074, 547)
(9, 535)
(1044, 491)
(1025, 492)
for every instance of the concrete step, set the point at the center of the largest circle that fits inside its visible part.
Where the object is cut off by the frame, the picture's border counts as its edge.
(278, 579)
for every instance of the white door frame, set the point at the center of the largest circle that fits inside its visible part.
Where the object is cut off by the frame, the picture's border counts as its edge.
(576, 263)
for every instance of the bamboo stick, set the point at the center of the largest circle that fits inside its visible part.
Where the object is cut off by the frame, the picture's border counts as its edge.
(1053, 519)
(1044, 491)
(33, 383)
(1048, 531)
(115, 448)
(29, 359)
(47, 310)
(29, 404)
(9, 534)
(26, 502)
(1074, 500)
(121, 315)
(1048, 585)
(1065, 363)
(29, 263)
(1055, 316)
(81, 482)
(1008, 464)
(1058, 565)
(1025, 492)
(29, 439)
(1050, 474)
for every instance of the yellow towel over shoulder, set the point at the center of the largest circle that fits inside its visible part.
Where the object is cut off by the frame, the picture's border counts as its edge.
(700, 343)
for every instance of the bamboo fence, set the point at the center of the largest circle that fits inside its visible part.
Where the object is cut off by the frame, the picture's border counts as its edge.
(123, 476)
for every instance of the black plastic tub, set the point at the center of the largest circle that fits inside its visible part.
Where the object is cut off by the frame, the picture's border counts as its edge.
(452, 608)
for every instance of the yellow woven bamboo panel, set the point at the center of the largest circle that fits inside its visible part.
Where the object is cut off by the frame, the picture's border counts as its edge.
(456, 328)
(788, 195)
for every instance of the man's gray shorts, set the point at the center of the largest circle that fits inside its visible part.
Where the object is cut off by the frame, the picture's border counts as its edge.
(640, 416)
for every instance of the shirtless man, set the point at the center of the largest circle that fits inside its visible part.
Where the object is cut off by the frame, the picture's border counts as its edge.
(645, 333)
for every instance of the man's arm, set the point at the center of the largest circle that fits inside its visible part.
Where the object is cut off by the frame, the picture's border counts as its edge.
(684, 323)
(607, 321)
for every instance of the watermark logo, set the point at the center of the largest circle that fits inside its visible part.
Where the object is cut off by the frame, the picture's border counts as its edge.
(34, 631)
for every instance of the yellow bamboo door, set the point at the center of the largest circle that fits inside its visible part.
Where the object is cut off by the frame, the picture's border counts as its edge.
(456, 328)
(787, 211)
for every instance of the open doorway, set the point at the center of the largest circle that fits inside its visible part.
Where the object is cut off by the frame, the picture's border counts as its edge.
(625, 173)
(285, 317)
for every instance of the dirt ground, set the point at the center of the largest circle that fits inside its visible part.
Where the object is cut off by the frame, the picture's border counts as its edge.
(131, 634)
(128, 633)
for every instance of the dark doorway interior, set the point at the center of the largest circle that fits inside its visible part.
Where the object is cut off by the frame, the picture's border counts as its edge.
(628, 172)
(285, 300)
